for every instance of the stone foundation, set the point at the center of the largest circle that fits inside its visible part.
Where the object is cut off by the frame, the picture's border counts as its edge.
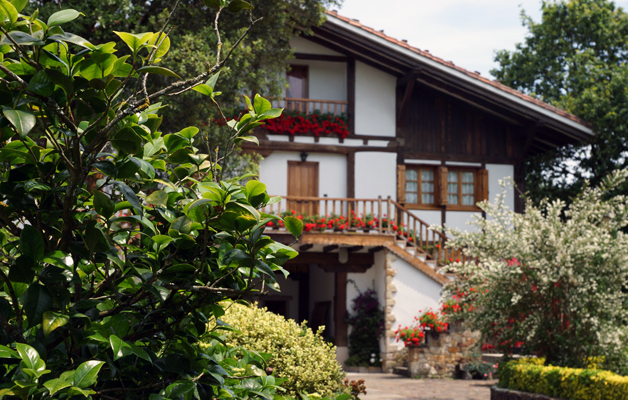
(389, 351)
(441, 355)
(507, 394)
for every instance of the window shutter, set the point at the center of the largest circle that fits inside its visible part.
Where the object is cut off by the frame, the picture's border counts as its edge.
(442, 186)
(401, 184)
(482, 185)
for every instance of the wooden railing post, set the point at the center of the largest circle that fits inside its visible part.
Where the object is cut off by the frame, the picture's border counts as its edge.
(379, 214)
(388, 216)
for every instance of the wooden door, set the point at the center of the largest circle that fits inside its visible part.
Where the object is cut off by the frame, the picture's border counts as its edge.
(303, 182)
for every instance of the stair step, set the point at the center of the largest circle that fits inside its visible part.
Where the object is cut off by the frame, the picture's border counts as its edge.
(431, 263)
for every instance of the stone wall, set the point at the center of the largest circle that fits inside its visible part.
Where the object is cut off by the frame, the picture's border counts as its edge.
(389, 350)
(443, 352)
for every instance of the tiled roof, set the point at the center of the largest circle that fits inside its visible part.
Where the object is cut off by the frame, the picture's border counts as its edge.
(474, 75)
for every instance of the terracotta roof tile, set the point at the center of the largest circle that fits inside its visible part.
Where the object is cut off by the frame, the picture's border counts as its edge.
(472, 74)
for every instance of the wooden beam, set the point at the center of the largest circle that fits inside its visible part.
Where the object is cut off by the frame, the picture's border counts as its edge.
(331, 259)
(351, 268)
(347, 239)
(353, 249)
(410, 80)
(329, 248)
(340, 309)
(419, 155)
(306, 247)
(320, 57)
(530, 135)
(351, 175)
(315, 147)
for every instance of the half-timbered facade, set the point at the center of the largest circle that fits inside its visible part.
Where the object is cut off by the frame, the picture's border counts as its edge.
(417, 141)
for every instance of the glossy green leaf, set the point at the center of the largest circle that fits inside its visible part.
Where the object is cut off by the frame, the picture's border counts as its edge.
(255, 188)
(179, 388)
(86, 374)
(19, 4)
(158, 198)
(41, 84)
(54, 385)
(120, 348)
(30, 357)
(189, 132)
(22, 121)
(59, 259)
(71, 38)
(153, 69)
(203, 89)
(32, 243)
(9, 11)
(261, 105)
(37, 300)
(181, 225)
(238, 5)
(20, 38)
(134, 41)
(270, 114)
(61, 80)
(127, 140)
(164, 44)
(103, 204)
(63, 16)
(7, 352)
(131, 197)
(294, 226)
(52, 321)
(96, 240)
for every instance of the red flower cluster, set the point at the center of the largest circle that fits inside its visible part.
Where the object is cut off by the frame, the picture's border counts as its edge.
(310, 123)
(433, 321)
(411, 336)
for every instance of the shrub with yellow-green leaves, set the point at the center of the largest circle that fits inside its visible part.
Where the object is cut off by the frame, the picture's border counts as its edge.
(302, 357)
(530, 375)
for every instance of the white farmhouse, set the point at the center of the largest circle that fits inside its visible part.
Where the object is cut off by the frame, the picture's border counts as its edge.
(418, 141)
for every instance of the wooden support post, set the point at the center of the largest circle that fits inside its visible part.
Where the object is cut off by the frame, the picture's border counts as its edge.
(351, 175)
(351, 94)
(340, 309)
(304, 297)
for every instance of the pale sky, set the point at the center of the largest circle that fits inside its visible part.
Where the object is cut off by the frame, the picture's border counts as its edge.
(466, 32)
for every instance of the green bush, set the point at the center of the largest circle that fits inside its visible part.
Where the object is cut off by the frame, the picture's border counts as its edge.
(530, 375)
(303, 358)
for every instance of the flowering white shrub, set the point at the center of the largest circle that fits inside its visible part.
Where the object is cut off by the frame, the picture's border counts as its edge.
(552, 280)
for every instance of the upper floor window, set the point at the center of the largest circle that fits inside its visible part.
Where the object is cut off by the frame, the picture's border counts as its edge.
(297, 82)
(429, 186)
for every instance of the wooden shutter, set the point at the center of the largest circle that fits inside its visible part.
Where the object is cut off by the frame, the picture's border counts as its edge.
(481, 187)
(441, 178)
(401, 184)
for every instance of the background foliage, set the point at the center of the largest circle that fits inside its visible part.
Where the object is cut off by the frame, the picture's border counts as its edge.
(575, 58)
(367, 326)
(256, 66)
(552, 279)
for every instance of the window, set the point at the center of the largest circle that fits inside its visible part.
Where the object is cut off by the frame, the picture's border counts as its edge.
(420, 186)
(461, 187)
(297, 82)
(431, 187)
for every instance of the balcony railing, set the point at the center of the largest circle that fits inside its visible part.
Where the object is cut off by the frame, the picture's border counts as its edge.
(369, 216)
(310, 106)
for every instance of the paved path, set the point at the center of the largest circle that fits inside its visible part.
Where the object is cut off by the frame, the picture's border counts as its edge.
(395, 387)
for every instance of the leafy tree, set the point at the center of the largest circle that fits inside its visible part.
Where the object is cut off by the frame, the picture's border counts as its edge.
(256, 66)
(575, 59)
(117, 242)
(552, 280)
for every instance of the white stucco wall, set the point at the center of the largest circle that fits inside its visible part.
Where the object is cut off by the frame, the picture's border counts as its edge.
(326, 80)
(375, 175)
(415, 291)
(431, 217)
(458, 219)
(376, 274)
(374, 101)
(495, 173)
(302, 45)
(332, 173)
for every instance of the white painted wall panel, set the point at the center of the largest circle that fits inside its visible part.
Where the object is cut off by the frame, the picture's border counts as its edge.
(458, 219)
(302, 45)
(431, 217)
(375, 175)
(495, 173)
(415, 291)
(374, 101)
(326, 80)
(332, 173)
